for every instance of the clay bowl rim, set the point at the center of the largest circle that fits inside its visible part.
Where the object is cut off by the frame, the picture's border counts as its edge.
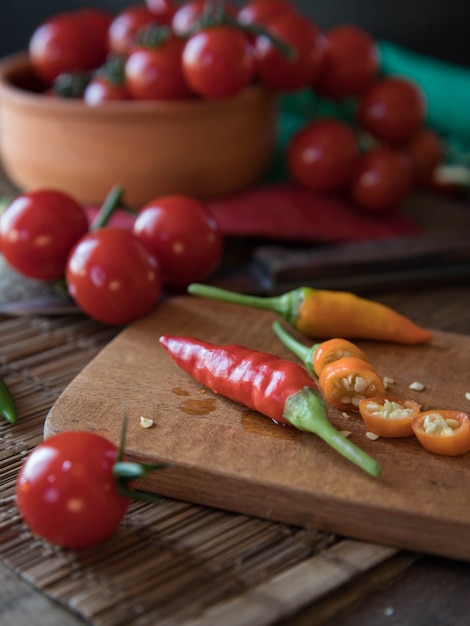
(16, 64)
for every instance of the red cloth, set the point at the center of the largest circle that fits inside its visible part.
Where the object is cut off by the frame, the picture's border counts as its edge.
(287, 212)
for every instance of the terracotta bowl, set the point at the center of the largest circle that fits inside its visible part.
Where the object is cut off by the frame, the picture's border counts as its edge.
(200, 148)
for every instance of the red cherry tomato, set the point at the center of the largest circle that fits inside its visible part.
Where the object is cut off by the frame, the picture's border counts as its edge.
(262, 11)
(183, 235)
(276, 70)
(124, 28)
(112, 277)
(66, 491)
(97, 23)
(163, 9)
(61, 44)
(155, 73)
(186, 16)
(218, 62)
(392, 109)
(383, 178)
(322, 155)
(426, 150)
(38, 230)
(100, 89)
(350, 62)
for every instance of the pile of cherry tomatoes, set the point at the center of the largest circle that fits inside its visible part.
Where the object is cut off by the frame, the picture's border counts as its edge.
(212, 50)
(165, 50)
(114, 272)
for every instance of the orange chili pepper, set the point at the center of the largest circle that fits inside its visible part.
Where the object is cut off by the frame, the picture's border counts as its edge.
(347, 381)
(445, 432)
(320, 354)
(389, 416)
(325, 314)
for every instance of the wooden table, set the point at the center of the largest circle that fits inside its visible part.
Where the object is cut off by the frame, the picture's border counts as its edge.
(395, 588)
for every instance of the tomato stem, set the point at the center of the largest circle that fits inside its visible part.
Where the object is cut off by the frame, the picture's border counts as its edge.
(126, 471)
(214, 14)
(113, 201)
(306, 411)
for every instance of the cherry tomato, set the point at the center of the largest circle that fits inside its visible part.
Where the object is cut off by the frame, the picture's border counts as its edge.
(426, 150)
(124, 28)
(186, 16)
(262, 11)
(155, 73)
(108, 83)
(63, 43)
(383, 178)
(97, 22)
(350, 62)
(38, 230)
(66, 491)
(112, 277)
(100, 89)
(322, 155)
(392, 109)
(183, 235)
(218, 62)
(163, 9)
(276, 70)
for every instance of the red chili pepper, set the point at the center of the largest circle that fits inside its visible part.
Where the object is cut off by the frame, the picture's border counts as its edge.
(325, 314)
(280, 389)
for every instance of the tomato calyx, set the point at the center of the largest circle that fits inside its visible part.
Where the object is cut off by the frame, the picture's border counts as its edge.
(153, 35)
(71, 84)
(112, 70)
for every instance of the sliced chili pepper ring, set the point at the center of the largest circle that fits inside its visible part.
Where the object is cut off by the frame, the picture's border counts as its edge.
(443, 431)
(389, 416)
(348, 380)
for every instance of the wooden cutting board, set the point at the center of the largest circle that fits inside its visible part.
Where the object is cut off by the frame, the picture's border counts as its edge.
(226, 456)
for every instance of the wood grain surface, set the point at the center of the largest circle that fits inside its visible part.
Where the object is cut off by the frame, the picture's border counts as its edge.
(225, 456)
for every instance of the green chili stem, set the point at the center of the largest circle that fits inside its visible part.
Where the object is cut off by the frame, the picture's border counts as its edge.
(304, 353)
(112, 202)
(7, 404)
(286, 305)
(306, 410)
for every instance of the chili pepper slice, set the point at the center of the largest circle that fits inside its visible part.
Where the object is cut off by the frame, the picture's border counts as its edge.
(389, 416)
(443, 431)
(279, 389)
(7, 404)
(317, 356)
(324, 314)
(349, 380)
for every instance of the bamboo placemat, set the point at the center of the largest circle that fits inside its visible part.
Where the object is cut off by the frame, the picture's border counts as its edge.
(171, 562)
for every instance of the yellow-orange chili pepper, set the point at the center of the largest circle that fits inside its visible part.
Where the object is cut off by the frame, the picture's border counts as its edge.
(443, 431)
(345, 382)
(318, 355)
(322, 313)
